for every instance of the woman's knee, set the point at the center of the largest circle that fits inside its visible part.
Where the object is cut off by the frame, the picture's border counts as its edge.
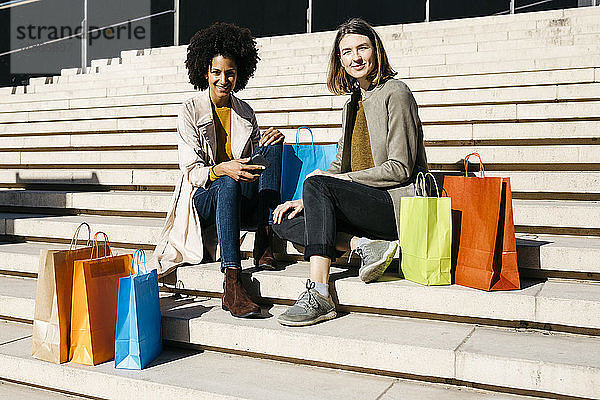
(274, 150)
(314, 185)
(228, 187)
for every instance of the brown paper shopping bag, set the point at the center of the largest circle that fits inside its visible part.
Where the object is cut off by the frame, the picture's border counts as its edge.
(487, 252)
(52, 315)
(94, 305)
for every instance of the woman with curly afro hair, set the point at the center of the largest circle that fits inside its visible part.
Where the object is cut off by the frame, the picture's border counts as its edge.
(230, 171)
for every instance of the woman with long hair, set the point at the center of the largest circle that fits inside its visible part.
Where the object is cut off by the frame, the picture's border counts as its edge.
(221, 188)
(355, 204)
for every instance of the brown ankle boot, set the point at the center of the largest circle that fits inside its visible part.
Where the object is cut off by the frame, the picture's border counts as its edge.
(262, 253)
(235, 299)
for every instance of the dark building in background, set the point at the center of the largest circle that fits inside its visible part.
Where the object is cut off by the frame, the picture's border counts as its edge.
(277, 17)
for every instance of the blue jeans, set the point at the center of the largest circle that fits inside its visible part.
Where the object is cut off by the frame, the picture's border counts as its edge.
(235, 205)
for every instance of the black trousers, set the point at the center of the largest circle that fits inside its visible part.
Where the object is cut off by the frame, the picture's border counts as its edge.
(333, 205)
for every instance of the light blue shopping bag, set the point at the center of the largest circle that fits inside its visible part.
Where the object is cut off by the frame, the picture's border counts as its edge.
(299, 160)
(138, 338)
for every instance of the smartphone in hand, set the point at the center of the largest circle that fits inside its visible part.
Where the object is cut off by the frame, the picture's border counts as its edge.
(258, 159)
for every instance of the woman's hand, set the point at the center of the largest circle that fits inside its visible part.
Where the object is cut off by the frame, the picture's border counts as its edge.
(294, 207)
(343, 177)
(271, 136)
(238, 170)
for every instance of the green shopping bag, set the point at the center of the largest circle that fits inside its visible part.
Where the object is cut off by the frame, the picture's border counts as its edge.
(426, 236)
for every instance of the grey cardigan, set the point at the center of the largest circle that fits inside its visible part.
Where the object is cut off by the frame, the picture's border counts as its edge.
(396, 141)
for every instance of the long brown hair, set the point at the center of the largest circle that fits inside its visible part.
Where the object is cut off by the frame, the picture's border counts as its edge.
(338, 81)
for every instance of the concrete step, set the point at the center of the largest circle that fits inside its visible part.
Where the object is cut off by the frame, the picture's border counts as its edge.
(181, 84)
(29, 102)
(555, 213)
(21, 96)
(18, 391)
(22, 111)
(515, 154)
(91, 113)
(316, 78)
(122, 156)
(455, 351)
(175, 374)
(411, 47)
(527, 360)
(400, 61)
(495, 68)
(560, 254)
(89, 140)
(327, 114)
(506, 66)
(543, 256)
(96, 125)
(555, 302)
(134, 231)
(397, 49)
(520, 130)
(516, 78)
(17, 297)
(411, 70)
(147, 201)
(89, 175)
(522, 22)
(398, 41)
(425, 52)
(551, 180)
(546, 156)
(567, 304)
(124, 69)
(466, 132)
(326, 110)
(538, 255)
(578, 116)
(298, 75)
(434, 106)
(23, 258)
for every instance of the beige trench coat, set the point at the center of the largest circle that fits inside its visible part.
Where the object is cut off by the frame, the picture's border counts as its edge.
(182, 241)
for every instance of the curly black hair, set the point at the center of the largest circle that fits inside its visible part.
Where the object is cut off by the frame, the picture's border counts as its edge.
(223, 39)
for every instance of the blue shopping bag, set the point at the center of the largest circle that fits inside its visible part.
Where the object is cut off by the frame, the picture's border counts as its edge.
(138, 338)
(299, 160)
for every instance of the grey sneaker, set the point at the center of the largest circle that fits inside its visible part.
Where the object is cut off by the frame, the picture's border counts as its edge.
(311, 307)
(375, 258)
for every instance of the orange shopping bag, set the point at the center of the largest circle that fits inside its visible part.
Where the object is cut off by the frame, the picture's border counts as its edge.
(52, 315)
(485, 232)
(94, 310)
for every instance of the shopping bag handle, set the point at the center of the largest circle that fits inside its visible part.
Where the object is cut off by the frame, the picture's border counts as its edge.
(421, 178)
(97, 248)
(312, 138)
(139, 257)
(76, 235)
(481, 172)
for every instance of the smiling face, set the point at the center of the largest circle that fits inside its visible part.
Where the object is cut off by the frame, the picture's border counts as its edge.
(221, 76)
(358, 57)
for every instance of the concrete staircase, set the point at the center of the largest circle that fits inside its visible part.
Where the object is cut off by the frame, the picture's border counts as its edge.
(522, 90)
